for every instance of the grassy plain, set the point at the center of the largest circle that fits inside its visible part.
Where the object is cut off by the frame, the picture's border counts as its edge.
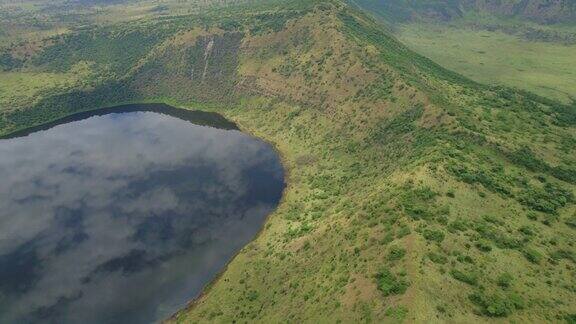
(494, 57)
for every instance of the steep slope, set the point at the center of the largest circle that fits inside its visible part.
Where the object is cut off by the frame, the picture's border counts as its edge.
(414, 193)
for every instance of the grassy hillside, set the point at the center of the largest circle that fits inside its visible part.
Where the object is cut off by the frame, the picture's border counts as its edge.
(414, 193)
(525, 44)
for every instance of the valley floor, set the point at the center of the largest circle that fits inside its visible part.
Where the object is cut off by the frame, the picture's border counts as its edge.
(547, 69)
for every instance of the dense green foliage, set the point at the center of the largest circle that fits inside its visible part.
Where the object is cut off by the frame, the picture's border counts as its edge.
(390, 284)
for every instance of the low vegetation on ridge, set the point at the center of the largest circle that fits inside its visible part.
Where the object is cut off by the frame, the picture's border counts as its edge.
(414, 194)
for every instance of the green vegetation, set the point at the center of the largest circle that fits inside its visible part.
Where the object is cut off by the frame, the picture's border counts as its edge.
(529, 44)
(466, 277)
(494, 57)
(390, 284)
(412, 194)
(497, 305)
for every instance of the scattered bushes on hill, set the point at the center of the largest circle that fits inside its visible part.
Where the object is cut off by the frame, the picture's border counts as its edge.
(390, 284)
(497, 305)
(525, 157)
(571, 221)
(483, 246)
(548, 199)
(396, 253)
(505, 280)
(533, 255)
(437, 258)
(8, 62)
(491, 180)
(434, 235)
(468, 277)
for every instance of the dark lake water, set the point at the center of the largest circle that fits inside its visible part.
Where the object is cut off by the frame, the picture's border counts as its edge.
(123, 215)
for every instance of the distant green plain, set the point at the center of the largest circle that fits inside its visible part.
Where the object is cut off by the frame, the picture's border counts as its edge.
(547, 69)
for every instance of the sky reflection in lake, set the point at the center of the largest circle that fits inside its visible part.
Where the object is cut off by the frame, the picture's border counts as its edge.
(123, 217)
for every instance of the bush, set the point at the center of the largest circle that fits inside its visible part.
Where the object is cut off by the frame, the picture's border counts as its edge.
(563, 254)
(527, 230)
(398, 312)
(528, 159)
(252, 295)
(548, 199)
(437, 258)
(483, 246)
(396, 253)
(465, 259)
(402, 231)
(389, 284)
(497, 305)
(466, 277)
(571, 221)
(505, 280)
(533, 255)
(458, 225)
(434, 235)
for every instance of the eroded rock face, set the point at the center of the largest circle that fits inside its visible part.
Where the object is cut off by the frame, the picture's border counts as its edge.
(203, 63)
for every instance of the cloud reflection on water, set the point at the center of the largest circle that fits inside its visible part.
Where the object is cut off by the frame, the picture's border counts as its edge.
(124, 217)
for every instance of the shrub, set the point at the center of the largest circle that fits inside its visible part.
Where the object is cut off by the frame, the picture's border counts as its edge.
(437, 258)
(492, 219)
(505, 280)
(398, 312)
(434, 235)
(390, 284)
(418, 212)
(527, 230)
(526, 158)
(533, 255)
(252, 295)
(532, 216)
(465, 259)
(497, 305)
(458, 225)
(548, 199)
(466, 277)
(483, 246)
(571, 221)
(389, 237)
(402, 231)
(417, 202)
(563, 254)
(396, 253)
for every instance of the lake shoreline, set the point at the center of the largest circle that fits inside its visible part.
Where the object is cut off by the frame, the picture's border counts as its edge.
(222, 117)
(192, 107)
(288, 183)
